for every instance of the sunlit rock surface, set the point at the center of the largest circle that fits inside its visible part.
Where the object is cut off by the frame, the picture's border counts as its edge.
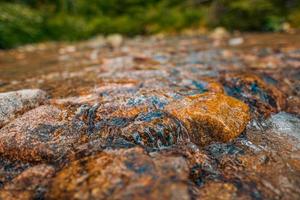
(211, 117)
(177, 117)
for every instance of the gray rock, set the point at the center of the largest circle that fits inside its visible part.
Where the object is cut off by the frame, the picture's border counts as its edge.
(19, 101)
(236, 41)
(285, 124)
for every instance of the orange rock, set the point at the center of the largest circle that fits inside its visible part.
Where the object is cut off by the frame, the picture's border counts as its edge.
(36, 136)
(218, 191)
(211, 117)
(28, 184)
(213, 86)
(122, 174)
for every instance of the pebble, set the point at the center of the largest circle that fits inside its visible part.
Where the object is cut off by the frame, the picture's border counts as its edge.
(236, 41)
(219, 33)
(115, 40)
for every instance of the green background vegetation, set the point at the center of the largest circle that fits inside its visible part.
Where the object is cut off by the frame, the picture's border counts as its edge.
(29, 21)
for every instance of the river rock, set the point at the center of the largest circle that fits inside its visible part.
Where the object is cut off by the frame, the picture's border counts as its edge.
(155, 129)
(115, 40)
(211, 117)
(30, 184)
(285, 124)
(122, 174)
(35, 136)
(260, 96)
(19, 101)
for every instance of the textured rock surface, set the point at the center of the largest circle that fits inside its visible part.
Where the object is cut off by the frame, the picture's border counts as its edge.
(122, 174)
(35, 136)
(154, 118)
(211, 117)
(30, 184)
(20, 101)
(255, 92)
(284, 123)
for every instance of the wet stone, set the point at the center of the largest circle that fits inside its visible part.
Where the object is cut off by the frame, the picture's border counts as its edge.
(285, 124)
(260, 96)
(30, 184)
(155, 129)
(122, 174)
(152, 118)
(211, 117)
(36, 136)
(12, 103)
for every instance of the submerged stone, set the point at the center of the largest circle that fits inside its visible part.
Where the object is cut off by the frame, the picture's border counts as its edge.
(122, 174)
(19, 101)
(211, 117)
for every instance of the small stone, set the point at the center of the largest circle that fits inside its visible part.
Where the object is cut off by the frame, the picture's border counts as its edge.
(19, 101)
(115, 40)
(35, 136)
(236, 41)
(122, 174)
(219, 33)
(287, 28)
(30, 184)
(211, 117)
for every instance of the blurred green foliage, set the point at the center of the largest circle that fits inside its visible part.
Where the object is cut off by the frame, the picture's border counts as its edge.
(27, 21)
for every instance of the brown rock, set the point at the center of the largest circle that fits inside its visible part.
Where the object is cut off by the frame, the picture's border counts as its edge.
(122, 174)
(10, 169)
(30, 184)
(252, 90)
(35, 136)
(155, 129)
(218, 191)
(211, 117)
